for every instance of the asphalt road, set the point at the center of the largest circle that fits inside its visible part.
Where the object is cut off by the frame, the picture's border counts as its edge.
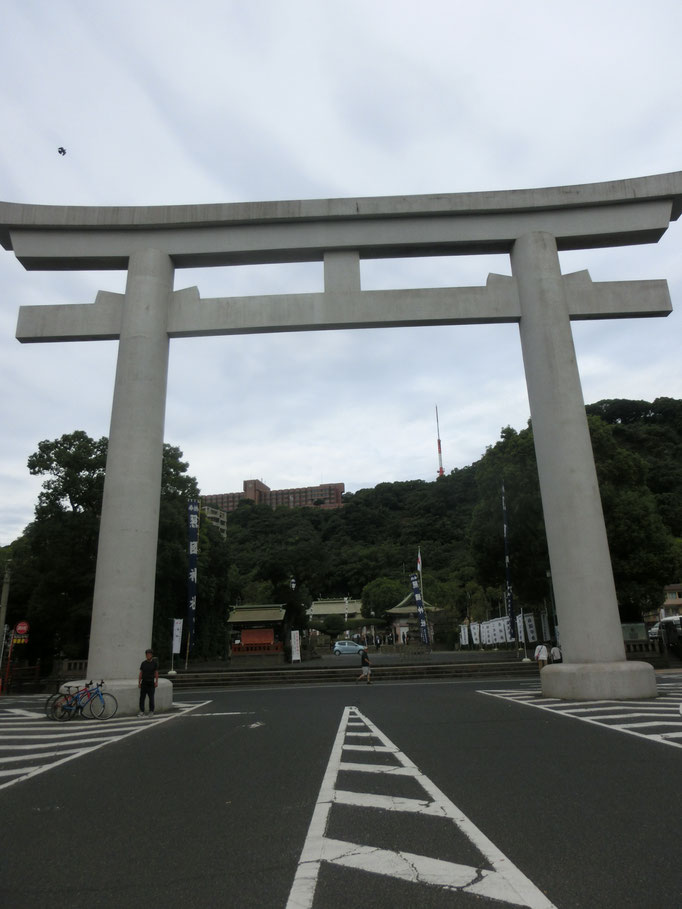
(213, 807)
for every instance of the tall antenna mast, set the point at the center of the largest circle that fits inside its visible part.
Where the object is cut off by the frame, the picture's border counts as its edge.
(440, 454)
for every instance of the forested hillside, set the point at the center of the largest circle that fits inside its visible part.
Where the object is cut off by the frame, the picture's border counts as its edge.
(369, 547)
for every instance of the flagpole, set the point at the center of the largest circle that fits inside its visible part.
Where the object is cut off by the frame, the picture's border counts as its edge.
(509, 599)
(427, 641)
(419, 568)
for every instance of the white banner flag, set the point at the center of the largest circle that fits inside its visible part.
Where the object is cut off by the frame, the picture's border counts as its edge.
(519, 629)
(475, 635)
(463, 635)
(295, 646)
(177, 635)
(529, 619)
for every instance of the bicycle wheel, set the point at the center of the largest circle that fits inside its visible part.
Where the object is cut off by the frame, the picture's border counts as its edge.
(63, 708)
(49, 704)
(103, 706)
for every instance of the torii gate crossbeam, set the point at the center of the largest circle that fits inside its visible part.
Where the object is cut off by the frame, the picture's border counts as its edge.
(532, 226)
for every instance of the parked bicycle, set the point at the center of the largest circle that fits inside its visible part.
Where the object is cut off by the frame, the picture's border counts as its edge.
(88, 701)
(59, 695)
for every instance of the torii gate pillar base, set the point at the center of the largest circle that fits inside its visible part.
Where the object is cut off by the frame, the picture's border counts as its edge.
(617, 681)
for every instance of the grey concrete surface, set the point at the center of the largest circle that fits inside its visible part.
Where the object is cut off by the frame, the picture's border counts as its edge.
(530, 225)
(123, 602)
(581, 216)
(212, 809)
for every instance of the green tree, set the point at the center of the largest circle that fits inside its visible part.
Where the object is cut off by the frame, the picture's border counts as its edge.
(55, 558)
(381, 594)
(512, 460)
(333, 625)
(643, 552)
(74, 465)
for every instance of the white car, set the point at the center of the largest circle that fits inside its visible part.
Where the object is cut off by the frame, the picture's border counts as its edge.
(348, 647)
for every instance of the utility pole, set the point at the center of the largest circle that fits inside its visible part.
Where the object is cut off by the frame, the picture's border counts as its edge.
(4, 597)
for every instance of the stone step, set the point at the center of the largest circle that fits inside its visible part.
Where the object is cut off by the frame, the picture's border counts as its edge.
(300, 676)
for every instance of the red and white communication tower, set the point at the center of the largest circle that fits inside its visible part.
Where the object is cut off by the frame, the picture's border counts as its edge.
(440, 454)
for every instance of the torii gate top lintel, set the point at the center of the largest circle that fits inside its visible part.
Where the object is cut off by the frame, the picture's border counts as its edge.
(614, 213)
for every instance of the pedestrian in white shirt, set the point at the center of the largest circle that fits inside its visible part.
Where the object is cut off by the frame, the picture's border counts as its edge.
(541, 655)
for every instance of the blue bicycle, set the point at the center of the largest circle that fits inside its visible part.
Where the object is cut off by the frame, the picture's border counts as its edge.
(89, 701)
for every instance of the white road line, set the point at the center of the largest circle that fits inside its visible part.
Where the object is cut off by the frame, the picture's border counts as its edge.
(36, 771)
(387, 769)
(229, 713)
(19, 712)
(421, 869)
(305, 882)
(53, 732)
(374, 748)
(15, 771)
(644, 709)
(38, 756)
(388, 803)
(653, 723)
(501, 881)
(669, 716)
(627, 728)
(53, 742)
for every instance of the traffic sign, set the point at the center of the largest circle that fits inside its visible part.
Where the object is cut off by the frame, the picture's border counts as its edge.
(21, 628)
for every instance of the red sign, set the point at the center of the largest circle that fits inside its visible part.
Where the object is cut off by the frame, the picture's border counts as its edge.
(21, 628)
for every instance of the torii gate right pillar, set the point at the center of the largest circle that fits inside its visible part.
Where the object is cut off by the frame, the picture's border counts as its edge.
(584, 590)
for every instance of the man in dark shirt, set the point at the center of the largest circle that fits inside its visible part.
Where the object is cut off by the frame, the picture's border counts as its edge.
(147, 681)
(366, 670)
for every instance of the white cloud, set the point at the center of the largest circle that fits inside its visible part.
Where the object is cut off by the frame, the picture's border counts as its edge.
(161, 103)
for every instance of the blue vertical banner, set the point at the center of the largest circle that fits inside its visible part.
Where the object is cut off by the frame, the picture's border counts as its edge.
(193, 537)
(423, 627)
(509, 599)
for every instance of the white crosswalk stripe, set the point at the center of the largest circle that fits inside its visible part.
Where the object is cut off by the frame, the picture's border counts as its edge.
(493, 880)
(656, 719)
(31, 744)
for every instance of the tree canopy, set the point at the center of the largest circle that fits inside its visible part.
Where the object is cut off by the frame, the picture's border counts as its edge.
(53, 562)
(369, 547)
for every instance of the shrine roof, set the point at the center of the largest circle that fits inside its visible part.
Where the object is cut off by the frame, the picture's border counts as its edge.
(257, 613)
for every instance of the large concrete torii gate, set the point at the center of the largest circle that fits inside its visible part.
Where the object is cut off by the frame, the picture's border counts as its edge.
(532, 226)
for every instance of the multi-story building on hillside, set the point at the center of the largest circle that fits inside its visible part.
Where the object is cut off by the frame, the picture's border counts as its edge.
(217, 517)
(326, 495)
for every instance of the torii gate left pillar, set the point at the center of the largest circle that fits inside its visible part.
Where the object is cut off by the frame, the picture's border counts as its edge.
(121, 627)
(532, 226)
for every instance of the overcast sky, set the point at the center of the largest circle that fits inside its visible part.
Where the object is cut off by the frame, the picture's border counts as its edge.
(165, 101)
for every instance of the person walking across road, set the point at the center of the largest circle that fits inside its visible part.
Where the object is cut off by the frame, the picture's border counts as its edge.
(148, 681)
(541, 655)
(366, 668)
